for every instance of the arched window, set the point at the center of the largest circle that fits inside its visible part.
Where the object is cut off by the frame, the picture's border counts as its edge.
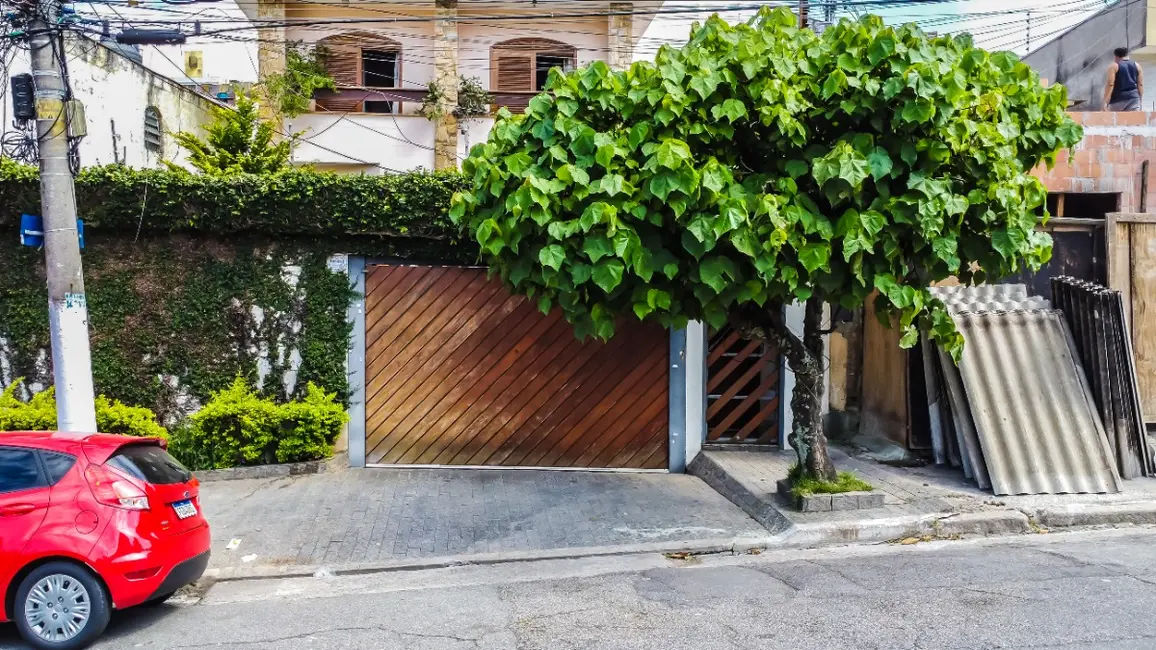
(523, 64)
(361, 60)
(153, 130)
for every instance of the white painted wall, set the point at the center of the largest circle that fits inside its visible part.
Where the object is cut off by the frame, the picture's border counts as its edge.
(402, 142)
(115, 92)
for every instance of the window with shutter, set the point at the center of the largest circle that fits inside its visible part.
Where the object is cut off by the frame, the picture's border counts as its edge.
(514, 72)
(379, 70)
(358, 60)
(519, 68)
(153, 132)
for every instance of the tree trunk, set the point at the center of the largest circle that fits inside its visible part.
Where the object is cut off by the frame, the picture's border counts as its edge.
(805, 358)
(810, 441)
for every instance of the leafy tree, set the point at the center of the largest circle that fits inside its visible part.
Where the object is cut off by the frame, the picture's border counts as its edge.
(237, 141)
(305, 73)
(761, 165)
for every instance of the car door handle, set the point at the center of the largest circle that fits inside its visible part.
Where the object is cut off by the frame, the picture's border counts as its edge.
(16, 509)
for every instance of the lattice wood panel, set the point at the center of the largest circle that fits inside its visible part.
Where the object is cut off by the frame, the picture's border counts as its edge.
(459, 372)
(742, 389)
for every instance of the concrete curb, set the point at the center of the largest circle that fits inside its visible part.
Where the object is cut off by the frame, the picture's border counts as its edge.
(989, 523)
(1096, 514)
(694, 547)
(329, 465)
(738, 493)
(997, 522)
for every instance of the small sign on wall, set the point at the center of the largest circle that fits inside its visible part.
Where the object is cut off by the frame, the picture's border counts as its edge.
(339, 263)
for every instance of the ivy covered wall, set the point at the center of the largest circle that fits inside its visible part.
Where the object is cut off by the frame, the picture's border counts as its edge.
(174, 318)
(190, 283)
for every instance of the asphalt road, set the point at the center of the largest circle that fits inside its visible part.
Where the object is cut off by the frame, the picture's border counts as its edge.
(1075, 591)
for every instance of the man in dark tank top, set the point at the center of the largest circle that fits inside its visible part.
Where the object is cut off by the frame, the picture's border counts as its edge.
(1125, 84)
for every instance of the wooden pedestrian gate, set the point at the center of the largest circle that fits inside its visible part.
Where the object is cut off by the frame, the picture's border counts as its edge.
(742, 389)
(460, 372)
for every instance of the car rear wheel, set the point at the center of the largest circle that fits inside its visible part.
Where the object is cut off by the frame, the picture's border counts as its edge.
(61, 606)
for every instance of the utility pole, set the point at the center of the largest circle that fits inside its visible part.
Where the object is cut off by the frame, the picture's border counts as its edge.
(804, 18)
(67, 306)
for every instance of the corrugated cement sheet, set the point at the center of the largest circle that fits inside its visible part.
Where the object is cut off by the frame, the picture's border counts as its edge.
(961, 426)
(1032, 407)
(981, 292)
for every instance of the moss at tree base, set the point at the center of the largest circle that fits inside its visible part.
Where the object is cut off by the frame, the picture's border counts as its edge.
(803, 485)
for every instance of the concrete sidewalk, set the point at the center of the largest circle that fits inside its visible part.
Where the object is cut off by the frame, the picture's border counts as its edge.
(364, 519)
(918, 502)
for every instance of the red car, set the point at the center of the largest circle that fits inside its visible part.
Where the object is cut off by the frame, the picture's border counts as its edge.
(91, 523)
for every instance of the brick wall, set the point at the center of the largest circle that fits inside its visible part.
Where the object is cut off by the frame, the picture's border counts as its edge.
(1108, 159)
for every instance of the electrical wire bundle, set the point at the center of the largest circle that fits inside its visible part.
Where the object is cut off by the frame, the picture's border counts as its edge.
(21, 142)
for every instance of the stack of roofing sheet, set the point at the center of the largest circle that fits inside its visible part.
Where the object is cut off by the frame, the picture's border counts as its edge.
(1019, 412)
(1095, 316)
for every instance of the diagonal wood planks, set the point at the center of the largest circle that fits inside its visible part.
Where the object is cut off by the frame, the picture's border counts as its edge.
(459, 372)
(743, 390)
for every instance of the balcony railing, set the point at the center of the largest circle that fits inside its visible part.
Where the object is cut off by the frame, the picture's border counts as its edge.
(515, 101)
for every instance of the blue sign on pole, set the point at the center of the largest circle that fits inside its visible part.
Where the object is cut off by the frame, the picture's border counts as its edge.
(32, 231)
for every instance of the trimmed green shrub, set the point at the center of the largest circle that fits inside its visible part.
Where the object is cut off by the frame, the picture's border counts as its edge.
(114, 416)
(310, 426)
(39, 414)
(238, 427)
(185, 446)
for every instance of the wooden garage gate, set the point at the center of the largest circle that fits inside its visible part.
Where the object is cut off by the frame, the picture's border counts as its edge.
(460, 372)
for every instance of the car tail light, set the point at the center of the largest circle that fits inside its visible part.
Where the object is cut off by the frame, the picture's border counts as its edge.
(114, 490)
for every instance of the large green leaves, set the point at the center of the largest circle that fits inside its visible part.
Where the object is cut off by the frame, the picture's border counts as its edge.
(761, 164)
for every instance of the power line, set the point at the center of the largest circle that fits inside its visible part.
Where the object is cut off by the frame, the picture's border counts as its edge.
(246, 25)
(282, 23)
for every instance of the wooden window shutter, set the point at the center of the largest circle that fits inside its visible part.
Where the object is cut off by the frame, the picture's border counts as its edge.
(343, 61)
(513, 68)
(514, 71)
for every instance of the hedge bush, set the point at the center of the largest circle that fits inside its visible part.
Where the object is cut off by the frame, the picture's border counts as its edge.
(238, 427)
(291, 202)
(39, 414)
(311, 426)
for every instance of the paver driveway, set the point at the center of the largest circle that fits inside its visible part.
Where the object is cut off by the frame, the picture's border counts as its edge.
(381, 515)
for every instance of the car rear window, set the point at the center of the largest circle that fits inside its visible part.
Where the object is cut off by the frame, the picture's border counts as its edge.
(57, 465)
(150, 463)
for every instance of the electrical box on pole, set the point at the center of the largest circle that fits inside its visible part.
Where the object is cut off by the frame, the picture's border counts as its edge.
(23, 103)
